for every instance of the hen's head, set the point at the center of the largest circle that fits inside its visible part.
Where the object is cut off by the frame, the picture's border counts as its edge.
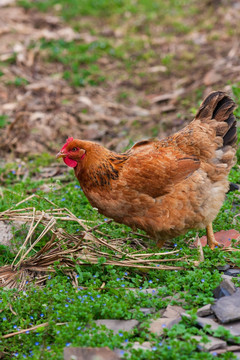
(72, 152)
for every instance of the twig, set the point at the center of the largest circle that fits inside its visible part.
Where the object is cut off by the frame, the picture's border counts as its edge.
(29, 329)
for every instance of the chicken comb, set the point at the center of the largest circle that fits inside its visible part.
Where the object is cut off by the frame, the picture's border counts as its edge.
(67, 142)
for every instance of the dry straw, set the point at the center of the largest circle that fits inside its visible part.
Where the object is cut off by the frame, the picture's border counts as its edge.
(67, 250)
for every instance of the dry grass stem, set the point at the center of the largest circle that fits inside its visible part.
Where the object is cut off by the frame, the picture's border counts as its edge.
(66, 250)
(29, 329)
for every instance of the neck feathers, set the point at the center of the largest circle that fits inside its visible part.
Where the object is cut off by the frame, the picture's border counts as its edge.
(100, 170)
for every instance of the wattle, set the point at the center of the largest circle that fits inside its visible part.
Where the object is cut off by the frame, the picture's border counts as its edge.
(70, 162)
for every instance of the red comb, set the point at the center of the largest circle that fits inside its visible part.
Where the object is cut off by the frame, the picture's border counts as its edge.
(67, 142)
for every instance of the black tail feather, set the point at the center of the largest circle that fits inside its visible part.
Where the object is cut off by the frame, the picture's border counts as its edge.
(219, 106)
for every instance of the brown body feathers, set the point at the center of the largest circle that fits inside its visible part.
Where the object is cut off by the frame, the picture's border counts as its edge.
(164, 187)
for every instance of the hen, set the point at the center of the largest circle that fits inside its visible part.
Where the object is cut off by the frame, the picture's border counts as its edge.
(164, 187)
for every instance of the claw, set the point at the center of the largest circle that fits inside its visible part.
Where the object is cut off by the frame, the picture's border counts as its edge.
(212, 242)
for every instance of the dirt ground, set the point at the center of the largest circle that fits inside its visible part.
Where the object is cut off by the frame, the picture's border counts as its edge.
(45, 109)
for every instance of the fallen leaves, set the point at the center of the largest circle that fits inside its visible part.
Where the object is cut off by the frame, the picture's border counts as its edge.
(43, 109)
(224, 237)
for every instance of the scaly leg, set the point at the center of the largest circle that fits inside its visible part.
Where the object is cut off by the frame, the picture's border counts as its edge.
(212, 242)
(160, 243)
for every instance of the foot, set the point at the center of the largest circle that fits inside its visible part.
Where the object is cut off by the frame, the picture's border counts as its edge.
(160, 243)
(212, 242)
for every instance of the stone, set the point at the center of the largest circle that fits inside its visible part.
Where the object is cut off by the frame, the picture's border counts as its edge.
(87, 353)
(232, 348)
(205, 310)
(120, 352)
(223, 267)
(234, 328)
(157, 326)
(226, 288)
(227, 308)
(232, 272)
(213, 344)
(176, 297)
(150, 291)
(5, 234)
(202, 321)
(146, 345)
(117, 325)
(7, 230)
(224, 276)
(173, 311)
(233, 187)
(145, 311)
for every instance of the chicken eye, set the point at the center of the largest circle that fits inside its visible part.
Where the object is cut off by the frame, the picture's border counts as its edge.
(74, 149)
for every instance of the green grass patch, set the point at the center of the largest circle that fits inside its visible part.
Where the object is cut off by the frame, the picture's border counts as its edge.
(76, 309)
(138, 20)
(3, 120)
(70, 9)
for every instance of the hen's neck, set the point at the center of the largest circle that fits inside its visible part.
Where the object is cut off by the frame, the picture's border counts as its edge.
(100, 171)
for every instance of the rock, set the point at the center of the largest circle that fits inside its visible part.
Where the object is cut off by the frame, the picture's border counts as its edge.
(223, 276)
(173, 311)
(234, 328)
(227, 308)
(233, 187)
(226, 288)
(202, 321)
(223, 267)
(158, 326)
(237, 354)
(77, 353)
(145, 311)
(205, 310)
(5, 234)
(146, 345)
(213, 344)
(232, 272)
(120, 352)
(151, 291)
(7, 230)
(177, 298)
(233, 348)
(118, 325)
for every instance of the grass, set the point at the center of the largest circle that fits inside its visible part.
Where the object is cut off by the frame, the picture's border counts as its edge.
(72, 9)
(136, 21)
(70, 312)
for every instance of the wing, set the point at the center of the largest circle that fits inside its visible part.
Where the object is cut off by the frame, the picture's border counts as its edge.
(155, 170)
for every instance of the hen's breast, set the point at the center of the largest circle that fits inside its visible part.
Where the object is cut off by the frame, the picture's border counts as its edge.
(193, 203)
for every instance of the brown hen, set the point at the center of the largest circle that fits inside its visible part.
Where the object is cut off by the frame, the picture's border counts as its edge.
(164, 187)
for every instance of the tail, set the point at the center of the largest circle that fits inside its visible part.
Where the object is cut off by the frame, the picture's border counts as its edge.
(219, 106)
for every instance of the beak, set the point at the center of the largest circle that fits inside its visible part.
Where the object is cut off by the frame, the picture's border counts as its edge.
(60, 155)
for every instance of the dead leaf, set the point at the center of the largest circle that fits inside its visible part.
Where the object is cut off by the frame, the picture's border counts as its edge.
(224, 237)
(211, 78)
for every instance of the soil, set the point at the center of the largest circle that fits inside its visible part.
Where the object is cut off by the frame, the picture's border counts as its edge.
(44, 109)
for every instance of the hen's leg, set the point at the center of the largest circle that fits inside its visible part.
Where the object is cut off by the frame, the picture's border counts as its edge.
(212, 242)
(160, 243)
